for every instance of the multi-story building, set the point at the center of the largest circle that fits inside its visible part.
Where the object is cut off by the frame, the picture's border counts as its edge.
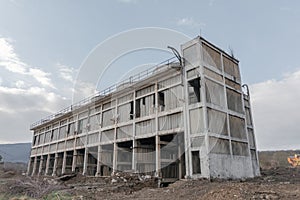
(179, 119)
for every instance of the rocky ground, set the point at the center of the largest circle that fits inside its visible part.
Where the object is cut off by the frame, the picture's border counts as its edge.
(275, 183)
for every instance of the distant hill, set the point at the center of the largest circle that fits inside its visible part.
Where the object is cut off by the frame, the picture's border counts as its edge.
(18, 152)
(270, 159)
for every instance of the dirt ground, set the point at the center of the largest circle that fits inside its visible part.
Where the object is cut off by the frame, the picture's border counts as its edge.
(275, 183)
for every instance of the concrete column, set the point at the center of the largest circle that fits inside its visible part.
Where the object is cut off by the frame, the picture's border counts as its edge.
(63, 170)
(157, 156)
(134, 155)
(41, 165)
(179, 157)
(98, 173)
(28, 167)
(55, 164)
(74, 163)
(115, 156)
(34, 166)
(47, 164)
(85, 161)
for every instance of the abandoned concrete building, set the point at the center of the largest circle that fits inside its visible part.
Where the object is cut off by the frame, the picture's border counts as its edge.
(185, 118)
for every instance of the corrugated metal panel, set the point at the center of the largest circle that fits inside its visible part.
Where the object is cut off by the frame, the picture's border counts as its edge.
(124, 132)
(170, 81)
(234, 100)
(237, 127)
(125, 98)
(172, 98)
(219, 146)
(46, 149)
(145, 91)
(107, 135)
(108, 118)
(94, 122)
(146, 105)
(70, 143)
(197, 142)
(170, 121)
(47, 137)
(217, 122)
(239, 148)
(196, 121)
(62, 132)
(214, 93)
(93, 138)
(231, 68)
(211, 56)
(60, 145)
(52, 147)
(124, 112)
(213, 75)
(251, 138)
(81, 141)
(83, 114)
(54, 134)
(145, 127)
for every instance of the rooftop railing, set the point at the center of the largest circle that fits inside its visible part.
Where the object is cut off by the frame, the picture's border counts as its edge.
(118, 86)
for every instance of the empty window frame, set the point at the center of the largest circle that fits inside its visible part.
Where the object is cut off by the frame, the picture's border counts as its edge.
(71, 129)
(82, 125)
(196, 162)
(131, 113)
(138, 108)
(194, 90)
(161, 101)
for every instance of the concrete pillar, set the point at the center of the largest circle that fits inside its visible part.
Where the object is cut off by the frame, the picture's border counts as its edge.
(28, 167)
(74, 163)
(179, 157)
(134, 155)
(34, 166)
(98, 173)
(115, 156)
(55, 164)
(47, 164)
(85, 161)
(63, 170)
(41, 165)
(157, 156)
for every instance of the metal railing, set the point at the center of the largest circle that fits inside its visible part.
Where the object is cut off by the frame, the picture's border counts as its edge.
(118, 86)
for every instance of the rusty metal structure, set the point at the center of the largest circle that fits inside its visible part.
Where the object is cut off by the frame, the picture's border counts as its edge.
(188, 117)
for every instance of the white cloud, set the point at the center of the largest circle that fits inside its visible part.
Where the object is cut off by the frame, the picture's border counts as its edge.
(189, 21)
(17, 100)
(276, 112)
(67, 73)
(11, 62)
(20, 84)
(41, 76)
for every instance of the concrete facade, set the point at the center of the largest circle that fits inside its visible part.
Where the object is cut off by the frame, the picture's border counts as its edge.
(177, 120)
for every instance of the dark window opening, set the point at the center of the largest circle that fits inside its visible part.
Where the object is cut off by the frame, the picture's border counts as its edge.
(153, 99)
(194, 90)
(80, 126)
(34, 140)
(143, 101)
(196, 162)
(131, 110)
(137, 108)
(161, 100)
(51, 138)
(39, 139)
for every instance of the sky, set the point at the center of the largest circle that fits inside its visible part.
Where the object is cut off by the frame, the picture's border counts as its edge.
(44, 44)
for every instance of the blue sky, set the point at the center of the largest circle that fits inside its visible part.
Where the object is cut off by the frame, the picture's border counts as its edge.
(51, 39)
